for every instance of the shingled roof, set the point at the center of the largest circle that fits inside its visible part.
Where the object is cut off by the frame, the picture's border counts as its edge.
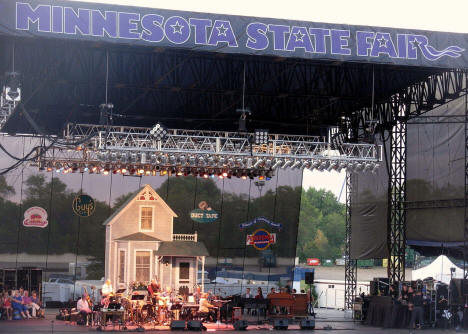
(182, 248)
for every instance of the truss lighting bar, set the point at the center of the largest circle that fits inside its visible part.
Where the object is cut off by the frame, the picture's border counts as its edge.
(184, 152)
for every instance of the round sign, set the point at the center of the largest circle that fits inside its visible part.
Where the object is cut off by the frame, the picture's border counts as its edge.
(83, 205)
(261, 239)
(35, 217)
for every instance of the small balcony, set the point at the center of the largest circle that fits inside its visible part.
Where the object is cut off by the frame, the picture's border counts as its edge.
(185, 237)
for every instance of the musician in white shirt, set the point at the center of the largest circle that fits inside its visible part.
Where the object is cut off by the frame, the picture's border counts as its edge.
(107, 288)
(83, 307)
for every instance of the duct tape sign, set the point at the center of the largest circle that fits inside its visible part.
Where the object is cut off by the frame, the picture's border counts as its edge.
(261, 239)
(204, 214)
(35, 217)
(83, 205)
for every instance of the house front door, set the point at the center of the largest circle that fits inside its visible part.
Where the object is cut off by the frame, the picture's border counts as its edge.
(184, 275)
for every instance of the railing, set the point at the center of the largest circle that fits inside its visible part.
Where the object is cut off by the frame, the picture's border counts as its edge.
(185, 237)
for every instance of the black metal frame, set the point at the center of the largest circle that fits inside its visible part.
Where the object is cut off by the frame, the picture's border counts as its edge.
(397, 199)
(350, 264)
(465, 231)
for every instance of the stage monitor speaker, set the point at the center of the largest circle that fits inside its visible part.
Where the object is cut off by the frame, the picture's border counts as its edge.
(280, 324)
(241, 325)
(373, 288)
(177, 325)
(307, 324)
(309, 277)
(194, 325)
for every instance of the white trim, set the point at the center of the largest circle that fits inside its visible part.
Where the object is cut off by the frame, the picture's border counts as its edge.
(127, 267)
(150, 262)
(140, 207)
(124, 280)
(192, 268)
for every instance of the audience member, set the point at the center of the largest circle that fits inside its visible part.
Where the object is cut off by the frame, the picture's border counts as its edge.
(17, 304)
(37, 305)
(6, 305)
(259, 293)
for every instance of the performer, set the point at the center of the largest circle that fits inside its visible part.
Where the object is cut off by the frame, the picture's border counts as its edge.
(107, 291)
(153, 287)
(207, 308)
(83, 307)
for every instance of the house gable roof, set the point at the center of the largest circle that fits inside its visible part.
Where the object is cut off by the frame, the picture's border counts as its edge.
(139, 236)
(133, 198)
(182, 248)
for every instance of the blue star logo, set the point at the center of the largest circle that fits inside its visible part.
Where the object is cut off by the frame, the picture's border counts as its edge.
(222, 30)
(415, 43)
(383, 42)
(299, 36)
(177, 28)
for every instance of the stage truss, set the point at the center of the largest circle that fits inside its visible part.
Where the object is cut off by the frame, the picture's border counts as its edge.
(137, 150)
(350, 264)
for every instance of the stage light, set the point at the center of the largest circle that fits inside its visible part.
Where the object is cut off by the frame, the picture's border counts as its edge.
(141, 171)
(287, 163)
(113, 156)
(124, 170)
(261, 136)
(277, 164)
(205, 175)
(358, 167)
(225, 174)
(148, 173)
(106, 171)
(295, 164)
(376, 168)
(49, 169)
(305, 164)
(158, 132)
(341, 166)
(143, 158)
(123, 157)
(163, 172)
(180, 173)
(132, 171)
(323, 165)
(163, 159)
(244, 177)
(368, 167)
(201, 161)
(261, 177)
(333, 165)
(12, 87)
(182, 159)
(240, 163)
(134, 157)
(79, 148)
(258, 163)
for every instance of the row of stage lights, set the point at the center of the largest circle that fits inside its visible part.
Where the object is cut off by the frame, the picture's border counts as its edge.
(148, 171)
(255, 163)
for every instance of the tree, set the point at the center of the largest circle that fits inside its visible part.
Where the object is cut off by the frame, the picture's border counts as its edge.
(5, 189)
(321, 225)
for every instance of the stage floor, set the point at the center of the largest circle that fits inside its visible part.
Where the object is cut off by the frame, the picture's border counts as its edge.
(333, 318)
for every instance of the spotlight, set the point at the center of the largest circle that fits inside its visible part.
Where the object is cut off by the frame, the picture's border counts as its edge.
(323, 165)
(368, 167)
(305, 164)
(358, 167)
(287, 163)
(124, 170)
(258, 163)
(106, 171)
(12, 87)
(124, 157)
(376, 168)
(158, 132)
(225, 174)
(295, 164)
(261, 136)
(333, 165)
(277, 164)
(341, 166)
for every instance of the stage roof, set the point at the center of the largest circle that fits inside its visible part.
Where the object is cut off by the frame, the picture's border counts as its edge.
(186, 69)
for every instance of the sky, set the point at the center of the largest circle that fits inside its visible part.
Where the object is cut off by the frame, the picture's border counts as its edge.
(448, 15)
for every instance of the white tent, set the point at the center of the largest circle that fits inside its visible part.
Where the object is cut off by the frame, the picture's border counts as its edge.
(439, 269)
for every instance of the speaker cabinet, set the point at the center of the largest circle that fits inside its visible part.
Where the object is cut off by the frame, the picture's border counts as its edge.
(309, 277)
(280, 324)
(241, 325)
(307, 324)
(194, 325)
(177, 325)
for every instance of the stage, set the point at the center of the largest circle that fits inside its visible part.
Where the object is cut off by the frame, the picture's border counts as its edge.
(325, 317)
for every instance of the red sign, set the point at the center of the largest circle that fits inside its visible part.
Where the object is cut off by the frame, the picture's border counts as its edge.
(261, 239)
(35, 217)
(313, 262)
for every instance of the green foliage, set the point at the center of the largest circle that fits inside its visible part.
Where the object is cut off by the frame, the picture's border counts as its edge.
(321, 225)
(5, 189)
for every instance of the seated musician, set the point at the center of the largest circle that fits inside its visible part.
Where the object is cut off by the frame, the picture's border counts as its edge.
(83, 307)
(207, 309)
(106, 292)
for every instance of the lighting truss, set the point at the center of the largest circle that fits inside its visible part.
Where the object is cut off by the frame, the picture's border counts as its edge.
(184, 152)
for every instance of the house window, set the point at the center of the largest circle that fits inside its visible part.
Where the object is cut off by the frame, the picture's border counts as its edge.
(146, 218)
(121, 266)
(184, 272)
(142, 266)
